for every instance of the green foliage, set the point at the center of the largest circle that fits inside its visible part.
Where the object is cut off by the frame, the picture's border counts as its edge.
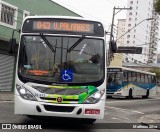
(157, 6)
(156, 71)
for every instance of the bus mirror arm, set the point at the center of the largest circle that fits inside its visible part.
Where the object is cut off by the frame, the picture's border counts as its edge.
(12, 43)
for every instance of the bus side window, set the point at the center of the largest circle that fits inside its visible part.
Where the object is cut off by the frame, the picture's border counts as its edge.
(153, 79)
(142, 78)
(138, 77)
(130, 76)
(149, 78)
(134, 77)
(146, 79)
(125, 78)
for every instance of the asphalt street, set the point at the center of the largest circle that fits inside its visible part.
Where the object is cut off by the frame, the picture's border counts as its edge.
(118, 113)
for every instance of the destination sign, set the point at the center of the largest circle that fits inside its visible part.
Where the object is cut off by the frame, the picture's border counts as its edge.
(114, 69)
(63, 26)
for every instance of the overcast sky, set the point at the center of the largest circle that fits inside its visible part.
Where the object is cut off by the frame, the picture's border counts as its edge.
(101, 10)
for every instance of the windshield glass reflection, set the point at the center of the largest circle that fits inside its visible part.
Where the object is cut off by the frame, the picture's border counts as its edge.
(44, 58)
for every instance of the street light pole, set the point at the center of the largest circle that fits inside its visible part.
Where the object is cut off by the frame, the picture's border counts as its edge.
(134, 27)
(111, 33)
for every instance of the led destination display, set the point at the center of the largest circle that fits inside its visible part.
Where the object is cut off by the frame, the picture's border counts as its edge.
(63, 26)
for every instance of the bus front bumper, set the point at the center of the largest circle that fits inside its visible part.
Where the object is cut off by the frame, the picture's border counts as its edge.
(114, 94)
(26, 107)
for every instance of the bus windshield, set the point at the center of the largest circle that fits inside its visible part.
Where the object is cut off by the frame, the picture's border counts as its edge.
(114, 79)
(43, 57)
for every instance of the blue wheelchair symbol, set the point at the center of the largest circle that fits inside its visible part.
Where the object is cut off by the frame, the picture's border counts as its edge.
(66, 75)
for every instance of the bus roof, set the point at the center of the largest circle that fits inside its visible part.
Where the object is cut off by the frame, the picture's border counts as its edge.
(135, 70)
(62, 17)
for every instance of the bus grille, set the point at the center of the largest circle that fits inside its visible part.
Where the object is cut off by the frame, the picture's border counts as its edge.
(59, 108)
(110, 93)
(61, 91)
(54, 99)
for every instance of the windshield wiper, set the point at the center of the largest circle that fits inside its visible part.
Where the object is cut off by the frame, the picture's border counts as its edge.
(76, 43)
(47, 42)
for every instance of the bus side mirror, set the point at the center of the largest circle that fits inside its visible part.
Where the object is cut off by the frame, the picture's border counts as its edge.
(12, 46)
(113, 46)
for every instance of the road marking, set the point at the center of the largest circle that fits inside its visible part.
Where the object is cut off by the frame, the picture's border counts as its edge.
(120, 119)
(134, 111)
(114, 118)
(130, 100)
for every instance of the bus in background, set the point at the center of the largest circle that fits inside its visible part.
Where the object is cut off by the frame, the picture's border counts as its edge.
(61, 68)
(127, 82)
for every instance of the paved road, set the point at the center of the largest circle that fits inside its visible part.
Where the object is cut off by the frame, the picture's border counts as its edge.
(117, 111)
(133, 109)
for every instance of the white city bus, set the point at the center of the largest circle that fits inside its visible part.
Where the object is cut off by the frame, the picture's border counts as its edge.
(61, 68)
(128, 82)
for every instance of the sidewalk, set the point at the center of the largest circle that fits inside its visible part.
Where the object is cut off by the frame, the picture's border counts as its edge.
(6, 96)
(152, 118)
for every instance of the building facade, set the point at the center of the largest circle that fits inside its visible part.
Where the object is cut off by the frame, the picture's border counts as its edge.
(12, 13)
(158, 58)
(154, 38)
(140, 35)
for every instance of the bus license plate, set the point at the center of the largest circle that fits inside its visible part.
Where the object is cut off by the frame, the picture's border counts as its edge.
(92, 111)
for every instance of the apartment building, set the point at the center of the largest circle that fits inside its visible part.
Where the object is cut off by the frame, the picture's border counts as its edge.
(142, 33)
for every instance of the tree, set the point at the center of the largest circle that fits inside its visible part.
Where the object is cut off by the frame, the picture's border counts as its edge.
(157, 6)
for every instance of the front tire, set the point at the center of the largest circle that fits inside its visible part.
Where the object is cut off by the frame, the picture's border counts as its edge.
(88, 121)
(130, 96)
(109, 97)
(32, 117)
(146, 96)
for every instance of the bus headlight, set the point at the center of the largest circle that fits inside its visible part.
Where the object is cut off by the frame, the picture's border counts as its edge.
(25, 94)
(119, 89)
(94, 98)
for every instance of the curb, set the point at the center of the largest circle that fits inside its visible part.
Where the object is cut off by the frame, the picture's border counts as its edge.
(6, 96)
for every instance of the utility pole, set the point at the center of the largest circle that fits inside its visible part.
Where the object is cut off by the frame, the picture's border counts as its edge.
(110, 53)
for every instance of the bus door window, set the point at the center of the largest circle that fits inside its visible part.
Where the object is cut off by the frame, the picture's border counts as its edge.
(110, 77)
(125, 77)
(118, 79)
(115, 78)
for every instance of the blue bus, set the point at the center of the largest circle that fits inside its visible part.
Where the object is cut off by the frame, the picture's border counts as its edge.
(127, 82)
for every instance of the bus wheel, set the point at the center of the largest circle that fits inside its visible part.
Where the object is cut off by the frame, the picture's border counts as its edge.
(88, 121)
(31, 116)
(108, 97)
(130, 94)
(147, 95)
